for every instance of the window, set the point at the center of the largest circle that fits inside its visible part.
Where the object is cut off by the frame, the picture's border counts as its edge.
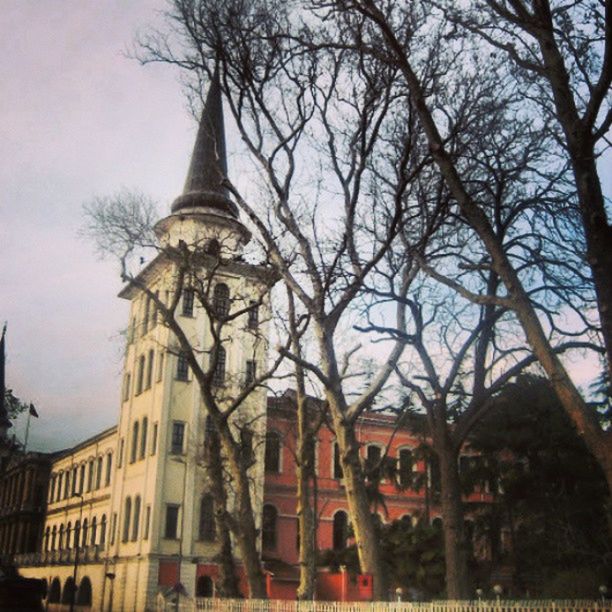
(140, 376)
(149, 376)
(178, 435)
(221, 300)
(47, 535)
(171, 527)
(147, 522)
(405, 467)
(337, 466)
(268, 527)
(69, 536)
(182, 367)
(61, 537)
(94, 530)
(84, 533)
(188, 299)
(60, 482)
(132, 330)
(53, 537)
(134, 447)
(219, 373)
(340, 530)
(109, 465)
(103, 531)
(127, 383)
(52, 488)
(155, 314)
(160, 366)
(251, 372)
(121, 449)
(136, 519)
(81, 479)
(272, 452)
(207, 529)
(67, 485)
(205, 587)
(99, 473)
(253, 316)
(90, 475)
(433, 473)
(213, 247)
(373, 457)
(143, 438)
(74, 480)
(154, 439)
(127, 516)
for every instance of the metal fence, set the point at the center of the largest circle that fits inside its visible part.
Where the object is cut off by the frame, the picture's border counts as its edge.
(253, 605)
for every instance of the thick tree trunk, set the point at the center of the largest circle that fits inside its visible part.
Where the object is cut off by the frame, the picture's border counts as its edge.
(227, 585)
(243, 524)
(455, 551)
(368, 548)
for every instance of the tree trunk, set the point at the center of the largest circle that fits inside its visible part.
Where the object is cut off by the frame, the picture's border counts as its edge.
(306, 526)
(368, 549)
(244, 529)
(227, 585)
(455, 551)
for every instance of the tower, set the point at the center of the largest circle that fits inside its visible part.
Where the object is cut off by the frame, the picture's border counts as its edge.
(160, 532)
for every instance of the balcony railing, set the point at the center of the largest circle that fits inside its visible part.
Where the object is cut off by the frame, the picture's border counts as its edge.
(87, 554)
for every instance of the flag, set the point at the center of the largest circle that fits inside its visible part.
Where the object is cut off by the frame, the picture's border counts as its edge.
(33, 411)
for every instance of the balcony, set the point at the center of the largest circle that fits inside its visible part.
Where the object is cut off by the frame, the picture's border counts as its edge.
(87, 554)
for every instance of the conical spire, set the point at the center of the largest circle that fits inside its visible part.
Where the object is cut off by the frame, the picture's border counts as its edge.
(208, 165)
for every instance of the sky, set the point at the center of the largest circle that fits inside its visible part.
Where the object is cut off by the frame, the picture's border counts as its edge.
(78, 119)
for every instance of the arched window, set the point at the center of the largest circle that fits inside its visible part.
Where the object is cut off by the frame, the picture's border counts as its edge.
(213, 247)
(437, 523)
(61, 537)
(405, 461)
(221, 300)
(126, 519)
(69, 536)
(109, 463)
(136, 520)
(140, 374)
(53, 537)
(103, 531)
(134, 447)
(77, 534)
(90, 475)
(219, 373)
(83, 597)
(55, 591)
(268, 527)
(207, 529)
(149, 376)
(337, 467)
(272, 453)
(47, 536)
(94, 529)
(143, 437)
(99, 473)
(60, 481)
(340, 530)
(68, 591)
(85, 533)
(204, 586)
(81, 488)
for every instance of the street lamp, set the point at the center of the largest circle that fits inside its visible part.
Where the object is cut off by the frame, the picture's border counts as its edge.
(603, 591)
(77, 538)
(111, 577)
(498, 590)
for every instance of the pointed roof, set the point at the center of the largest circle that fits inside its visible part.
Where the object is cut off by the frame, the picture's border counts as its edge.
(208, 165)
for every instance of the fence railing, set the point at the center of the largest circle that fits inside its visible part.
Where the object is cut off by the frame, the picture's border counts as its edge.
(252, 605)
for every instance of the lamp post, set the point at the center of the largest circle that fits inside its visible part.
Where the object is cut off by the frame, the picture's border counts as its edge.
(603, 591)
(77, 537)
(498, 590)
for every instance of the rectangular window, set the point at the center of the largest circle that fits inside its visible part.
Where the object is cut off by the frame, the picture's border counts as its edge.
(90, 476)
(120, 458)
(145, 319)
(182, 367)
(251, 372)
(171, 527)
(253, 316)
(188, 299)
(154, 439)
(149, 376)
(109, 465)
(178, 435)
(127, 382)
(147, 522)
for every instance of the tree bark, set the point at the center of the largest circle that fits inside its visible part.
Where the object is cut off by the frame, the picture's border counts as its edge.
(457, 583)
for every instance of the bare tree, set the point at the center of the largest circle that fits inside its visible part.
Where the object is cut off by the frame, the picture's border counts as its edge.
(193, 270)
